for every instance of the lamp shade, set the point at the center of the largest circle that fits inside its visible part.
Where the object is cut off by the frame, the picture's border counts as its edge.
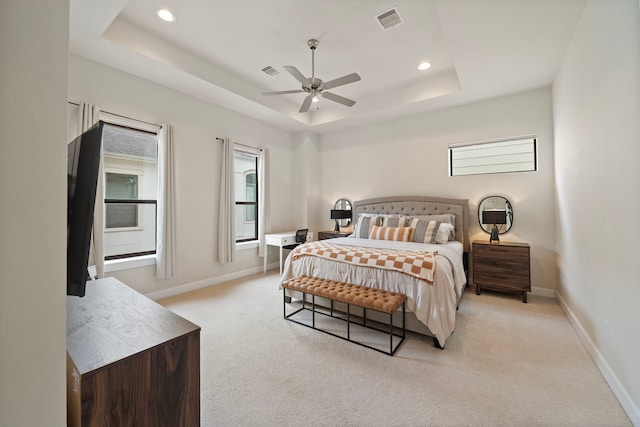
(494, 216)
(340, 214)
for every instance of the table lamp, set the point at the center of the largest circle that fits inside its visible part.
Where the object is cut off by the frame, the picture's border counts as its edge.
(339, 214)
(494, 216)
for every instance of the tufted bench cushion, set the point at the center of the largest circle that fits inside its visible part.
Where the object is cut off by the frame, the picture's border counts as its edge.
(361, 296)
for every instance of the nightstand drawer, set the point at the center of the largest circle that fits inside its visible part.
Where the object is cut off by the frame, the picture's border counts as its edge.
(495, 266)
(497, 251)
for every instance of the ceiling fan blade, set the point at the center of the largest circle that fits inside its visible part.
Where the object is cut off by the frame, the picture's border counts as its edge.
(339, 99)
(306, 103)
(295, 73)
(349, 78)
(282, 92)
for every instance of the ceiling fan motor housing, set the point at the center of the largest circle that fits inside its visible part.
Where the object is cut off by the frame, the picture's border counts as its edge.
(313, 85)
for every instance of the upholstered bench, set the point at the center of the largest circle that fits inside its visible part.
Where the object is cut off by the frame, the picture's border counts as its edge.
(352, 295)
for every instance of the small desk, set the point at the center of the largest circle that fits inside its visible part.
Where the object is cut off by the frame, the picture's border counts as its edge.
(280, 240)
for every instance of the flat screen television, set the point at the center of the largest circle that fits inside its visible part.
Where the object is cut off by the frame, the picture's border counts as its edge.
(83, 165)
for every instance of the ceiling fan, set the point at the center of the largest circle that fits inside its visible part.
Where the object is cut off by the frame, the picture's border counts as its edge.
(314, 86)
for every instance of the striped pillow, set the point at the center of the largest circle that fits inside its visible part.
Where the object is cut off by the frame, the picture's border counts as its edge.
(400, 234)
(444, 218)
(363, 227)
(430, 231)
(393, 221)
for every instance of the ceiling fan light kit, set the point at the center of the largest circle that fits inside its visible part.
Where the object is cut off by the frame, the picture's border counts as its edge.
(315, 86)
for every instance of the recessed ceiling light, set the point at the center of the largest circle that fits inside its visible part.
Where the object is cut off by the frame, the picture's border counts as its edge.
(166, 15)
(423, 66)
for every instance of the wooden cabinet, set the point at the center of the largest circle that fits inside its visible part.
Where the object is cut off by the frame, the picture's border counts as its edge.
(130, 361)
(502, 267)
(323, 235)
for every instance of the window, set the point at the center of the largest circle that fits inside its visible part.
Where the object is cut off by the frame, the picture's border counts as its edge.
(121, 186)
(513, 155)
(245, 165)
(130, 184)
(250, 181)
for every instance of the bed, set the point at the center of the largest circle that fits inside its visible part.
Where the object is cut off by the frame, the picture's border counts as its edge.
(431, 304)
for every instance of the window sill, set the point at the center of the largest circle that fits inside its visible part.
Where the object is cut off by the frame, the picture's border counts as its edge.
(127, 263)
(247, 245)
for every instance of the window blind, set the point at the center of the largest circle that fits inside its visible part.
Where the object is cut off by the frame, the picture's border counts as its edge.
(512, 155)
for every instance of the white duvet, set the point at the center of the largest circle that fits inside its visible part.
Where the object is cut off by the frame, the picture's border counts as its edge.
(433, 304)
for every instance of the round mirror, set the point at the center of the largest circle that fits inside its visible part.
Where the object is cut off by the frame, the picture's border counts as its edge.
(345, 218)
(495, 211)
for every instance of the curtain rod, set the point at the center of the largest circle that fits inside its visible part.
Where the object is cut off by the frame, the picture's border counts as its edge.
(119, 115)
(243, 145)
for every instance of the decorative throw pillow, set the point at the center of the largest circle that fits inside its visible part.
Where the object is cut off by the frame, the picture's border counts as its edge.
(364, 224)
(400, 234)
(443, 218)
(430, 231)
(393, 221)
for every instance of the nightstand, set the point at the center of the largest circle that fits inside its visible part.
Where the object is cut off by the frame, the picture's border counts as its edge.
(322, 235)
(503, 267)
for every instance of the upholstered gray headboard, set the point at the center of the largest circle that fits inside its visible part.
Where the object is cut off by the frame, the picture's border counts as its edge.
(420, 205)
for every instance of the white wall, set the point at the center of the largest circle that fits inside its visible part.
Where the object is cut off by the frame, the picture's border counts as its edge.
(408, 156)
(596, 99)
(33, 158)
(306, 183)
(196, 125)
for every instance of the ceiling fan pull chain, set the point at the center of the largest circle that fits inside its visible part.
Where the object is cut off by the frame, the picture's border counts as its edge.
(313, 65)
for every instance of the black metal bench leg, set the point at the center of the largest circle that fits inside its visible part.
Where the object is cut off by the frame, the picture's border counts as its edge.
(390, 333)
(348, 321)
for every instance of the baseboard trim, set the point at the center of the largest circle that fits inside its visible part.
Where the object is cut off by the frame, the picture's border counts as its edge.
(610, 377)
(188, 287)
(543, 292)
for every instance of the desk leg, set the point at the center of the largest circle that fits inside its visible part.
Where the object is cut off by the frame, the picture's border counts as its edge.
(266, 252)
(280, 261)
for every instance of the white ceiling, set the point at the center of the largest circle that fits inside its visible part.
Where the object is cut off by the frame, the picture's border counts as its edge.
(215, 50)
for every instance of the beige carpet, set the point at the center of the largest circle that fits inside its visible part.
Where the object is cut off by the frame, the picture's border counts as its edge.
(507, 364)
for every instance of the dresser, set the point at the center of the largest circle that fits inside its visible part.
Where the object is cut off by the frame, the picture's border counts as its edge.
(504, 267)
(323, 235)
(130, 361)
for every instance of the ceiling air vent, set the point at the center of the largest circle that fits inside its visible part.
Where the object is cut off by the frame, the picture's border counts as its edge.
(389, 19)
(270, 70)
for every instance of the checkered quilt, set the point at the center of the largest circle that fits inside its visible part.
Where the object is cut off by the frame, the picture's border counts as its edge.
(421, 265)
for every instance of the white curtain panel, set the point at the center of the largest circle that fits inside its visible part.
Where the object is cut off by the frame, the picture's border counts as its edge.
(263, 208)
(165, 245)
(226, 226)
(88, 115)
